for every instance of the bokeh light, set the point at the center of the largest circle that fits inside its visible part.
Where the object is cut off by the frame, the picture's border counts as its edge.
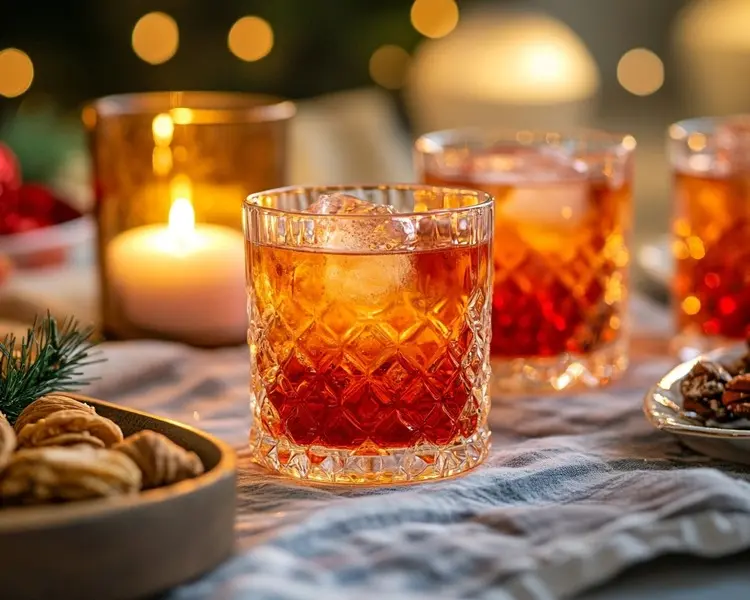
(691, 305)
(388, 66)
(640, 72)
(162, 160)
(181, 115)
(629, 142)
(250, 38)
(513, 58)
(545, 62)
(16, 72)
(162, 128)
(88, 117)
(434, 18)
(697, 142)
(156, 38)
(714, 24)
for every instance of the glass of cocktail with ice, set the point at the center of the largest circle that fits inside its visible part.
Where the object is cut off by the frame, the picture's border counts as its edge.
(369, 331)
(562, 221)
(710, 160)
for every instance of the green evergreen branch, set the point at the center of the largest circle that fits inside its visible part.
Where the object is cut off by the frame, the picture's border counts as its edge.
(48, 359)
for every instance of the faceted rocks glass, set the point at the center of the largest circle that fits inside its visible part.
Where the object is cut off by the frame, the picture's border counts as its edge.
(710, 160)
(369, 331)
(562, 222)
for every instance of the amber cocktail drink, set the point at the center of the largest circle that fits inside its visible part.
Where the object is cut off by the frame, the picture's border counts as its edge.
(369, 331)
(711, 162)
(562, 216)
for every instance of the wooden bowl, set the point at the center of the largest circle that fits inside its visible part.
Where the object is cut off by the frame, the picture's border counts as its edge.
(127, 547)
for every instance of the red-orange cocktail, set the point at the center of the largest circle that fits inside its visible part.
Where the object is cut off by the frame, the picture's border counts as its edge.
(562, 213)
(369, 331)
(711, 162)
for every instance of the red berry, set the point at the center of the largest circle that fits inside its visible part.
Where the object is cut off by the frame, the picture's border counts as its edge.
(36, 200)
(10, 172)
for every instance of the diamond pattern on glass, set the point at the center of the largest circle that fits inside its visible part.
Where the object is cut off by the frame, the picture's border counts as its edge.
(393, 390)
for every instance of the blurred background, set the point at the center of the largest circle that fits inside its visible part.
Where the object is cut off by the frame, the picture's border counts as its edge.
(370, 76)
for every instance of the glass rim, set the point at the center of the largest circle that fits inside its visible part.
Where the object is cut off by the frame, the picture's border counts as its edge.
(678, 131)
(204, 106)
(435, 142)
(487, 200)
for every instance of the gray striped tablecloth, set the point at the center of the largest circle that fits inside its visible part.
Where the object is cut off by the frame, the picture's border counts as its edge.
(577, 489)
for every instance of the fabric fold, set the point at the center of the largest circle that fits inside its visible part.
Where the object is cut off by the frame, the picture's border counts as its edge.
(578, 488)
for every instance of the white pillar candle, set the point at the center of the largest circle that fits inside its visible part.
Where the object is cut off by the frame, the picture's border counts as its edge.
(183, 280)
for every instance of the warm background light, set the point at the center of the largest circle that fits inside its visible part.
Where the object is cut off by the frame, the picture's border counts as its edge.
(711, 49)
(499, 69)
(508, 58)
(434, 18)
(640, 72)
(697, 142)
(250, 38)
(156, 38)
(16, 72)
(388, 66)
(710, 24)
(162, 128)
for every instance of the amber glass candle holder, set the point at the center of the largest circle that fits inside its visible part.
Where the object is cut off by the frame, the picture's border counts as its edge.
(171, 170)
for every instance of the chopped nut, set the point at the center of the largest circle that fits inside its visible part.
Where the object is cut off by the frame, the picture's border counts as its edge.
(740, 365)
(736, 396)
(702, 389)
(40, 475)
(45, 406)
(161, 461)
(7, 440)
(89, 428)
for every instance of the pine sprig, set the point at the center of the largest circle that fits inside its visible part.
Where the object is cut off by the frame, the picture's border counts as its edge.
(48, 359)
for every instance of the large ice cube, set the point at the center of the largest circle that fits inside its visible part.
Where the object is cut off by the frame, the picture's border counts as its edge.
(548, 188)
(388, 233)
(366, 279)
(363, 268)
(346, 204)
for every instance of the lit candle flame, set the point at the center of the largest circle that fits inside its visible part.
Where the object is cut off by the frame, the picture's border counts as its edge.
(181, 187)
(181, 220)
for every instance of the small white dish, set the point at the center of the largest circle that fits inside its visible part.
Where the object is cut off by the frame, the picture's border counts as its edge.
(662, 406)
(64, 243)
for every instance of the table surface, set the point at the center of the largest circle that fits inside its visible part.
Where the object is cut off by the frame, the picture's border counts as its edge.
(668, 578)
(218, 404)
(680, 578)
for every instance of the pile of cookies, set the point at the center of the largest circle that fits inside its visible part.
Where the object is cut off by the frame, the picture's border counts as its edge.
(60, 450)
(718, 393)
